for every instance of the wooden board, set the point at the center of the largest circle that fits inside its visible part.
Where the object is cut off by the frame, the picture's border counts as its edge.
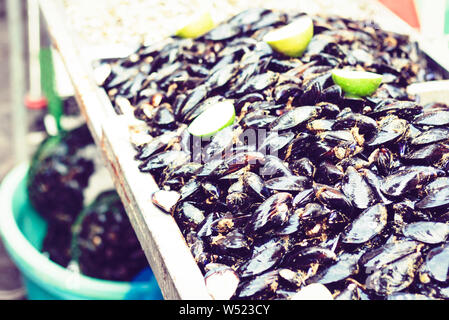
(168, 254)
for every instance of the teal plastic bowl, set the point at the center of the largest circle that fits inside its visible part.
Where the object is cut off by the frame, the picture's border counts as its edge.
(23, 230)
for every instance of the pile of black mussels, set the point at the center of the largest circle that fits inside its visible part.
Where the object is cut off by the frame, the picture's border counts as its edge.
(308, 185)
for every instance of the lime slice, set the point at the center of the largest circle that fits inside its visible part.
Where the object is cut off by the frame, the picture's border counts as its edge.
(198, 26)
(357, 83)
(293, 38)
(213, 119)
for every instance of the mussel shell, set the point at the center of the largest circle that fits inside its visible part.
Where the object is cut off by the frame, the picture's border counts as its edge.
(437, 263)
(357, 189)
(395, 276)
(299, 257)
(294, 118)
(265, 258)
(273, 213)
(367, 225)
(427, 231)
(435, 199)
(377, 258)
(346, 265)
(431, 136)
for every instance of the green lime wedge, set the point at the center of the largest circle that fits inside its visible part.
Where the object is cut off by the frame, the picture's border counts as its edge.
(293, 38)
(198, 26)
(357, 83)
(213, 119)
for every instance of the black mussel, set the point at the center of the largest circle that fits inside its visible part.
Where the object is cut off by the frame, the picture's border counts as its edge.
(408, 179)
(161, 160)
(272, 214)
(437, 263)
(357, 189)
(431, 136)
(206, 228)
(402, 109)
(432, 154)
(238, 201)
(303, 197)
(394, 276)
(367, 225)
(234, 243)
(258, 120)
(263, 286)
(192, 100)
(221, 77)
(432, 118)
(221, 142)
(302, 258)
(292, 278)
(188, 215)
(405, 212)
(258, 83)
(263, 259)
(285, 92)
(328, 173)
(391, 129)
(294, 118)
(383, 159)
(157, 144)
(438, 198)
(275, 141)
(374, 181)
(319, 125)
(274, 167)
(346, 266)
(377, 258)
(192, 190)
(427, 231)
(248, 98)
(312, 210)
(289, 183)
(329, 110)
(437, 184)
(332, 197)
(353, 291)
(255, 186)
(293, 226)
(310, 96)
(303, 167)
(242, 159)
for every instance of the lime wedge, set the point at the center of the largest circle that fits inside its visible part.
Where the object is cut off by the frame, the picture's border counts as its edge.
(213, 119)
(357, 83)
(293, 38)
(198, 26)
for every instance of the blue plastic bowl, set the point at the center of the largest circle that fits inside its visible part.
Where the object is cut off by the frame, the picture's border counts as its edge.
(23, 230)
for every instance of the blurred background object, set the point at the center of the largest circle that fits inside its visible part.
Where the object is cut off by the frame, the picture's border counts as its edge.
(30, 70)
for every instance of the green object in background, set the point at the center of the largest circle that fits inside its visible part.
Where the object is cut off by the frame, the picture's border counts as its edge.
(446, 19)
(22, 231)
(55, 106)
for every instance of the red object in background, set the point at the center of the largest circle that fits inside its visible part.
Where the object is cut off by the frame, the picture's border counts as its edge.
(35, 103)
(405, 9)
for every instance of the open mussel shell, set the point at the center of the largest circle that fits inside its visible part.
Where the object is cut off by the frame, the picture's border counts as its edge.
(165, 200)
(221, 282)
